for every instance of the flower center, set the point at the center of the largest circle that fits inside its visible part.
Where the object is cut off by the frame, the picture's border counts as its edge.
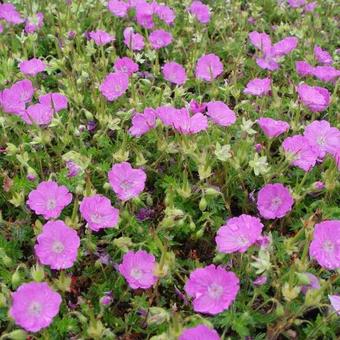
(57, 247)
(242, 240)
(126, 185)
(35, 308)
(215, 291)
(51, 204)
(136, 273)
(117, 88)
(96, 218)
(321, 140)
(276, 202)
(328, 246)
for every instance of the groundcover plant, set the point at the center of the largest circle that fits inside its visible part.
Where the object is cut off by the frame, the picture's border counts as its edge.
(169, 169)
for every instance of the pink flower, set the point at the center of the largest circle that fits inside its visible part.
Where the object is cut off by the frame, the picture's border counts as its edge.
(57, 245)
(274, 201)
(34, 23)
(260, 280)
(114, 85)
(310, 7)
(98, 212)
(160, 38)
(313, 283)
(38, 114)
(133, 41)
(11, 103)
(200, 332)
(174, 73)
(34, 305)
(208, 67)
(212, 288)
(315, 98)
(165, 13)
(284, 46)
(296, 3)
(326, 74)
(125, 181)
(196, 107)
(9, 13)
(258, 87)
(302, 153)
(187, 125)
(138, 269)
(126, 65)
(49, 199)
(322, 137)
(101, 38)
(304, 69)
(271, 127)
(322, 56)
(56, 101)
(262, 41)
(144, 14)
(24, 90)
(200, 11)
(325, 246)
(220, 113)
(143, 122)
(335, 302)
(238, 234)
(32, 67)
(118, 8)
(166, 114)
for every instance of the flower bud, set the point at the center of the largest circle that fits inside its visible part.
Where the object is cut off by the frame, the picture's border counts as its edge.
(157, 316)
(202, 204)
(16, 278)
(37, 273)
(17, 334)
(289, 292)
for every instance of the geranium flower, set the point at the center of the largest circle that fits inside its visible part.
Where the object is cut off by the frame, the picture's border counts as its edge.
(274, 201)
(143, 122)
(335, 302)
(34, 23)
(326, 74)
(39, 114)
(200, 332)
(114, 85)
(315, 98)
(126, 65)
(49, 199)
(196, 107)
(24, 90)
(9, 13)
(144, 14)
(32, 67)
(118, 8)
(165, 13)
(138, 269)
(174, 73)
(56, 101)
(166, 114)
(57, 245)
(200, 11)
(184, 123)
(296, 3)
(98, 212)
(101, 38)
(322, 56)
(302, 154)
(212, 288)
(258, 87)
(238, 234)
(304, 69)
(325, 246)
(133, 41)
(313, 283)
(271, 127)
(160, 38)
(208, 67)
(34, 305)
(125, 181)
(220, 113)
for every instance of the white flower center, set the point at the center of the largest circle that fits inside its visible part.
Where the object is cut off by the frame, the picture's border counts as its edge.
(51, 204)
(328, 246)
(215, 291)
(118, 88)
(126, 185)
(242, 240)
(276, 202)
(321, 140)
(57, 247)
(136, 273)
(96, 218)
(35, 308)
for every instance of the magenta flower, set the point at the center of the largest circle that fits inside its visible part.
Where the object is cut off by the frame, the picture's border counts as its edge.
(166, 114)
(144, 14)
(258, 87)
(11, 103)
(9, 13)
(313, 283)
(34, 23)
(134, 41)
(38, 114)
(322, 137)
(271, 127)
(200, 11)
(187, 125)
(126, 181)
(238, 234)
(143, 122)
(208, 67)
(114, 85)
(322, 56)
(310, 7)
(315, 98)
(24, 90)
(56, 101)
(34, 305)
(196, 107)
(303, 155)
(212, 288)
(260, 280)
(325, 246)
(200, 332)
(57, 245)
(126, 65)
(220, 113)
(32, 67)
(326, 74)
(118, 8)
(98, 212)
(101, 38)
(296, 3)
(164, 13)
(304, 69)
(262, 41)
(274, 201)
(335, 302)
(174, 73)
(49, 199)
(160, 38)
(138, 269)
